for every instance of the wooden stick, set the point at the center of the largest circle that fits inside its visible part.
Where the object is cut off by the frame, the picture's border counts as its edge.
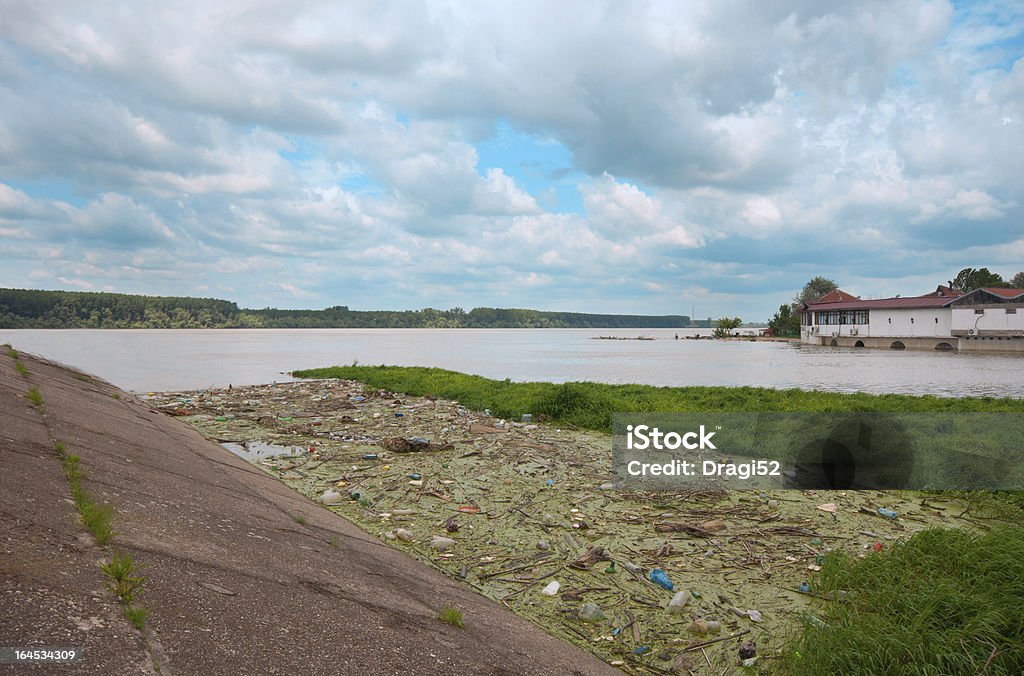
(700, 646)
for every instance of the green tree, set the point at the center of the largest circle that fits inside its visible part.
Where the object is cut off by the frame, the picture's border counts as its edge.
(1018, 281)
(816, 288)
(786, 322)
(725, 326)
(970, 279)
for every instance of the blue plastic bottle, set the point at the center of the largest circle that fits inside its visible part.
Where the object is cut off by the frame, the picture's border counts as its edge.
(660, 578)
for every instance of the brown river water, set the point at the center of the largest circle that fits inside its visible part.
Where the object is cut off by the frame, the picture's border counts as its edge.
(151, 359)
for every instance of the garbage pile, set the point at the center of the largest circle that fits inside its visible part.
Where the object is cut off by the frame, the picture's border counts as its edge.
(528, 515)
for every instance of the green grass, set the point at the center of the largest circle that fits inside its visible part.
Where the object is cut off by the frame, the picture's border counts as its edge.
(136, 615)
(20, 368)
(35, 397)
(99, 519)
(944, 602)
(451, 615)
(591, 405)
(116, 395)
(301, 520)
(11, 352)
(124, 580)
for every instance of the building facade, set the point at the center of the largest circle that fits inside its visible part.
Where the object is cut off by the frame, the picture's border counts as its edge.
(990, 320)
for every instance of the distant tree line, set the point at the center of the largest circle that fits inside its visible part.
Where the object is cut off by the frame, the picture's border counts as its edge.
(23, 309)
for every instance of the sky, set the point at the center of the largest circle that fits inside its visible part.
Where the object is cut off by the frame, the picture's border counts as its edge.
(634, 157)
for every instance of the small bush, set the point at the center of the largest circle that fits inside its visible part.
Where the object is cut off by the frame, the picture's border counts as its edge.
(451, 615)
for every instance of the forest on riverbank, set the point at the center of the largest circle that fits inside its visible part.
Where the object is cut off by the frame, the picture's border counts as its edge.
(36, 309)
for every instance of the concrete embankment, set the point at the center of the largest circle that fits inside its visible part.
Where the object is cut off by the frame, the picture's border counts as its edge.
(244, 575)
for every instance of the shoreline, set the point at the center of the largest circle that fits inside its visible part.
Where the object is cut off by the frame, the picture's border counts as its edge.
(509, 507)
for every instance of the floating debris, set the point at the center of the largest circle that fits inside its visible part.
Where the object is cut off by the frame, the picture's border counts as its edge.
(529, 503)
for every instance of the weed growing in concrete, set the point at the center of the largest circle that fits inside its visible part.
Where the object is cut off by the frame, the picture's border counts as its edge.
(124, 580)
(451, 615)
(20, 368)
(136, 615)
(116, 395)
(11, 352)
(35, 397)
(301, 520)
(97, 518)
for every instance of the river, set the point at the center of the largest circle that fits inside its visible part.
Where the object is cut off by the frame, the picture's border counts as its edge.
(149, 359)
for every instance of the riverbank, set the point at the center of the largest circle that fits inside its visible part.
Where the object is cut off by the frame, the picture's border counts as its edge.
(242, 574)
(510, 508)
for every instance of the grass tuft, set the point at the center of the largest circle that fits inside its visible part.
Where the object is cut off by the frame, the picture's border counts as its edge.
(99, 519)
(451, 615)
(21, 369)
(301, 520)
(136, 615)
(35, 397)
(945, 601)
(11, 352)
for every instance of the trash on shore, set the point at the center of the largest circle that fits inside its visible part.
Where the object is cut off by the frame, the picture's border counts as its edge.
(531, 516)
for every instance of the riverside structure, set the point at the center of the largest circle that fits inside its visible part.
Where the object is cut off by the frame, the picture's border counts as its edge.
(982, 320)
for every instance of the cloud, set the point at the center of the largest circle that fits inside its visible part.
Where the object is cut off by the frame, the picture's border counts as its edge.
(377, 151)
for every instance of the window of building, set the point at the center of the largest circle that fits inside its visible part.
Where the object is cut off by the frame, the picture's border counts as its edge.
(979, 311)
(830, 318)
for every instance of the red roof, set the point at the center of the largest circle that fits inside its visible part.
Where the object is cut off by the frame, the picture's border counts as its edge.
(835, 296)
(928, 300)
(883, 303)
(1005, 293)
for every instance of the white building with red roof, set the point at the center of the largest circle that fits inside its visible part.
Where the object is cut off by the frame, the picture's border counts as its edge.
(989, 319)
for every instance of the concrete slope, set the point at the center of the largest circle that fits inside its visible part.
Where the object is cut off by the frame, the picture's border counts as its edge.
(235, 583)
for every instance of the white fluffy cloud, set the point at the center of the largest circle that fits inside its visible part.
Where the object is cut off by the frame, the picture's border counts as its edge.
(186, 147)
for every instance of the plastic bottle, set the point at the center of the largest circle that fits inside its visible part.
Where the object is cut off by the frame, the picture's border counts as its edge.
(678, 601)
(660, 578)
(887, 513)
(591, 612)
